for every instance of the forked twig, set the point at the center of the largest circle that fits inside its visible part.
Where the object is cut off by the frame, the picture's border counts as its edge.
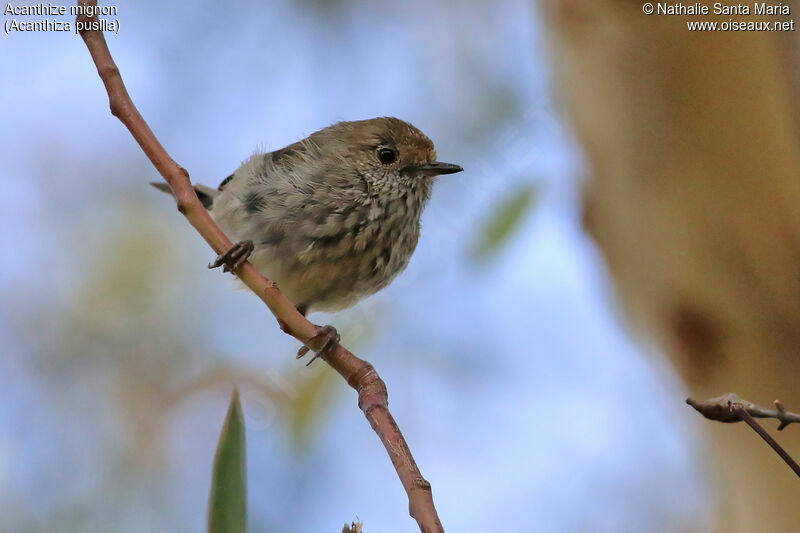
(731, 408)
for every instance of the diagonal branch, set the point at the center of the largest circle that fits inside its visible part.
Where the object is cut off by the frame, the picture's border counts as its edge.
(748, 418)
(730, 408)
(359, 374)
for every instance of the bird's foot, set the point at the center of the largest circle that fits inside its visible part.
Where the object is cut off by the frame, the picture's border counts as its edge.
(234, 257)
(323, 343)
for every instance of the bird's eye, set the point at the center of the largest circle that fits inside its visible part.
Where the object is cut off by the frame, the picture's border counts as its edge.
(387, 156)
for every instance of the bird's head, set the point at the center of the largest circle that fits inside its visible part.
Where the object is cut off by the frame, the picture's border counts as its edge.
(386, 151)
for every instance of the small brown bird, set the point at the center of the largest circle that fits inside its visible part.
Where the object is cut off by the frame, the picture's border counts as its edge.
(332, 218)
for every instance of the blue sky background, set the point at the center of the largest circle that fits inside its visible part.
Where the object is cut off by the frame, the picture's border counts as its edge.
(527, 404)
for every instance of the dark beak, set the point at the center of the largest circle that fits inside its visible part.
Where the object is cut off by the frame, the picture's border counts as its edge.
(435, 168)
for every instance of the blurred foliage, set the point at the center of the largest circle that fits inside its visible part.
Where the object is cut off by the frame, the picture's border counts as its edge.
(314, 388)
(113, 336)
(506, 218)
(310, 403)
(227, 505)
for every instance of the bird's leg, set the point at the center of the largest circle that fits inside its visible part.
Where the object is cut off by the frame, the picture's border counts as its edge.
(234, 257)
(323, 343)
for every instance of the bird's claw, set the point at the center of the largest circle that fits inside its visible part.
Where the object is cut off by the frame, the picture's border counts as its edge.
(233, 257)
(323, 343)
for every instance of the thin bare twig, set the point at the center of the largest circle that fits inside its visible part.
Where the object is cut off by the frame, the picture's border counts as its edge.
(747, 417)
(719, 409)
(731, 408)
(359, 374)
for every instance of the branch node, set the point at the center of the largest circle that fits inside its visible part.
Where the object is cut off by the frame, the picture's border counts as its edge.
(284, 326)
(421, 483)
(719, 409)
(115, 108)
(785, 421)
(363, 377)
(271, 287)
(732, 408)
(368, 403)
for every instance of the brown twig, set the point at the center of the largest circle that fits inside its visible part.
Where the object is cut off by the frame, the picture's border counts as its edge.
(354, 527)
(359, 374)
(730, 408)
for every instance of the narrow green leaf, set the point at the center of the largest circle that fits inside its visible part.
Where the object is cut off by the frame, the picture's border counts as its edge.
(227, 504)
(505, 219)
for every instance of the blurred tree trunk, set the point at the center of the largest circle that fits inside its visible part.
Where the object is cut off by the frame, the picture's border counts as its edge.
(694, 199)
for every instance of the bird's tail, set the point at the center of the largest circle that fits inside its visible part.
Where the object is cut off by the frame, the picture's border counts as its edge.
(205, 194)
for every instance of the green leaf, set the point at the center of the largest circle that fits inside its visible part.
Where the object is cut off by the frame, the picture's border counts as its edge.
(227, 504)
(505, 219)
